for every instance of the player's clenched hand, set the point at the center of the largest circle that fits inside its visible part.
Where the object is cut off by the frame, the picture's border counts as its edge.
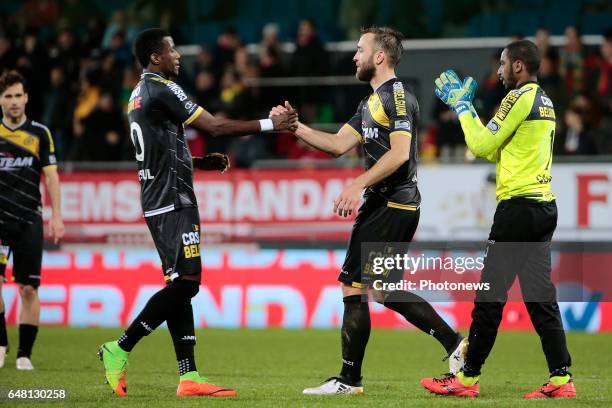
(56, 227)
(348, 200)
(284, 117)
(212, 161)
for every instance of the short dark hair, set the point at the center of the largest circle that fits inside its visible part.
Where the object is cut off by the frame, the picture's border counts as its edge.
(389, 40)
(149, 42)
(10, 78)
(525, 51)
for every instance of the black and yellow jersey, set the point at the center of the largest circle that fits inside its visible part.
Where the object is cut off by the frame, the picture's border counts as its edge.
(157, 111)
(519, 139)
(24, 151)
(390, 111)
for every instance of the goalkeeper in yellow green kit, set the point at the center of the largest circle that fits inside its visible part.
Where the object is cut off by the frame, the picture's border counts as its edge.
(518, 139)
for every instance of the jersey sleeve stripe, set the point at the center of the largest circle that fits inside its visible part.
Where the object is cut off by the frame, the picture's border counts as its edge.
(194, 115)
(353, 132)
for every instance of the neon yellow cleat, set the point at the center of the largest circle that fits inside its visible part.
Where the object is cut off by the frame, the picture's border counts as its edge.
(115, 361)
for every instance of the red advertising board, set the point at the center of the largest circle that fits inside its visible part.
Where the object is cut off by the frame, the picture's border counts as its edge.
(256, 288)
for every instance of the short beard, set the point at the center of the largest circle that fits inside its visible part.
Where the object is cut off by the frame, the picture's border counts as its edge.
(512, 83)
(366, 73)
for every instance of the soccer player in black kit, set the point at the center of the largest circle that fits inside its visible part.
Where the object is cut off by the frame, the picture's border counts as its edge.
(26, 151)
(386, 125)
(158, 110)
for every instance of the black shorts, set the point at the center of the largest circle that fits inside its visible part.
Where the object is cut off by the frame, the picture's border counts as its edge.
(377, 221)
(177, 238)
(25, 242)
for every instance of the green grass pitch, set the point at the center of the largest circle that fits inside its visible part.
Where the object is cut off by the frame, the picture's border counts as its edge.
(270, 368)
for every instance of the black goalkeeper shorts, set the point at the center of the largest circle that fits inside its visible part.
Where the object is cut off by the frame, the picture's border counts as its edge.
(177, 238)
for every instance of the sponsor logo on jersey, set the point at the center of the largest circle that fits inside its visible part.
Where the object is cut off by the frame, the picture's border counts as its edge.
(493, 126)
(8, 163)
(546, 112)
(370, 133)
(134, 104)
(509, 101)
(191, 244)
(135, 92)
(177, 90)
(546, 101)
(399, 97)
(145, 174)
(403, 124)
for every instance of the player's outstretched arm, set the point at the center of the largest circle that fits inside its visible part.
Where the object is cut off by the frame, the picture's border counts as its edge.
(216, 126)
(335, 144)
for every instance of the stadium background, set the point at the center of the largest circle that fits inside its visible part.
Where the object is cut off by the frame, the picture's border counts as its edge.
(273, 248)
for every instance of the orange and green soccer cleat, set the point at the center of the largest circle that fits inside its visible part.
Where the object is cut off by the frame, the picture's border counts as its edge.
(452, 386)
(550, 390)
(192, 385)
(115, 361)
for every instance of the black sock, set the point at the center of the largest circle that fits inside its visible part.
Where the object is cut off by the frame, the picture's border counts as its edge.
(355, 334)
(421, 314)
(153, 314)
(27, 335)
(182, 330)
(157, 310)
(3, 336)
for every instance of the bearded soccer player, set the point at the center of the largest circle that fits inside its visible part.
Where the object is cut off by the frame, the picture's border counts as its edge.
(26, 149)
(386, 125)
(158, 110)
(519, 139)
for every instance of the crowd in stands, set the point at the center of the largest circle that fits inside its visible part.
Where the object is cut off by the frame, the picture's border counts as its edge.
(79, 86)
(579, 82)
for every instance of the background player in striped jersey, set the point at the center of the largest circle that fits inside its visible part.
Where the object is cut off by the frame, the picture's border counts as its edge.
(26, 149)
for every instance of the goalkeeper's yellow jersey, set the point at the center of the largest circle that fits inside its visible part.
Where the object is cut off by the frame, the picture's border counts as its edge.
(519, 139)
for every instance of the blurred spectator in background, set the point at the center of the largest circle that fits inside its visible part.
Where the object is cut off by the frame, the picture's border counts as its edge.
(309, 59)
(8, 54)
(225, 50)
(101, 133)
(542, 40)
(33, 64)
(203, 61)
(602, 77)
(603, 92)
(120, 49)
(111, 74)
(550, 80)
(491, 90)
(270, 38)
(577, 139)
(573, 63)
(86, 102)
(205, 91)
(57, 114)
(66, 53)
(40, 13)
(448, 134)
(119, 22)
